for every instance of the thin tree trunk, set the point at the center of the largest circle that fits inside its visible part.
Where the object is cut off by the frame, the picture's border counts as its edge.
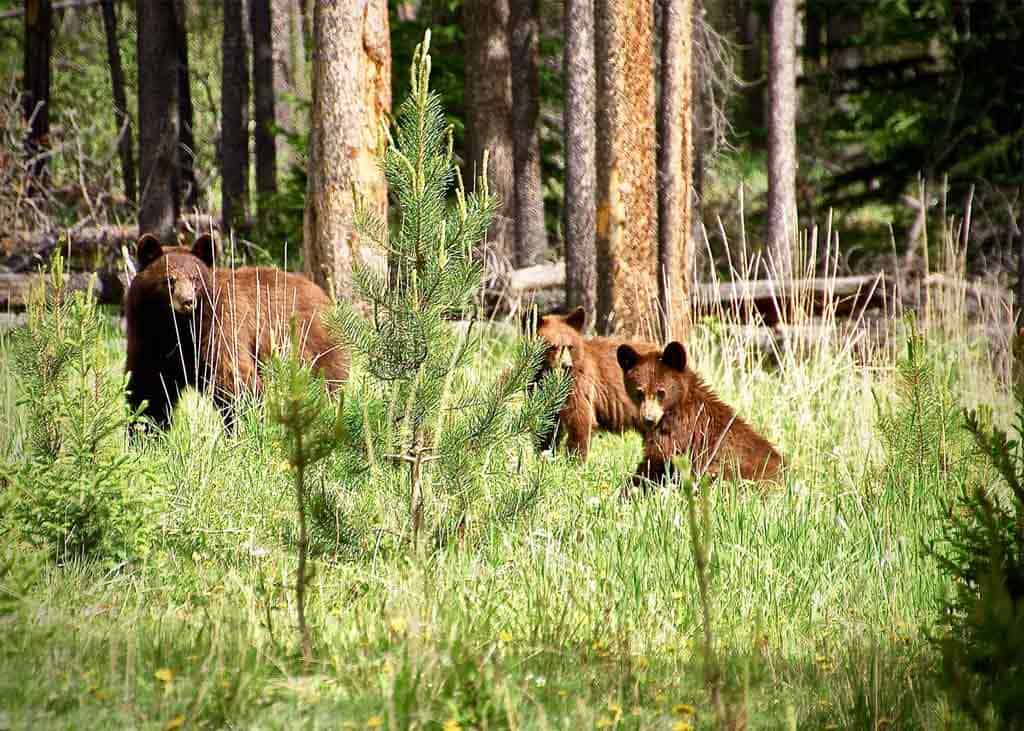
(489, 113)
(36, 93)
(674, 167)
(121, 118)
(627, 259)
(351, 96)
(289, 68)
(158, 116)
(264, 143)
(580, 166)
(782, 138)
(234, 114)
(531, 237)
(753, 68)
(187, 185)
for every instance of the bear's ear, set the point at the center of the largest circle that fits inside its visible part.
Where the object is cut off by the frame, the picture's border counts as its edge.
(202, 249)
(675, 356)
(148, 250)
(627, 357)
(577, 319)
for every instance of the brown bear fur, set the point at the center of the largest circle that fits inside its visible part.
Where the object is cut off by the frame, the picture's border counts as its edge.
(598, 400)
(190, 324)
(682, 415)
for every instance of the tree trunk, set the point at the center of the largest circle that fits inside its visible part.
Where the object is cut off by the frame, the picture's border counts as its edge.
(289, 68)
(263, 101)
(187, 186)
(531, 236)
(675, 150)
(121, 118)
(158, 116)
(580, 166)
(753, 68)
(627, 259)
(782, 138)
(234, 115)
(489, 113)
(36, 95)
(351, 96)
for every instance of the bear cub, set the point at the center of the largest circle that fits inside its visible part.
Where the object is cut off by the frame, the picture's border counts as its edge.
(598, 400)
(682, 416)
(190, 324)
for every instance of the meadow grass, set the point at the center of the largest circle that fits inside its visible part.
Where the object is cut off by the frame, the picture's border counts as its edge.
(583, 614)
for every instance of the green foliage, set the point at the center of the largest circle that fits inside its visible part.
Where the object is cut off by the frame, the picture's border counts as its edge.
(448, 441)
(983, 553)
(77, 491)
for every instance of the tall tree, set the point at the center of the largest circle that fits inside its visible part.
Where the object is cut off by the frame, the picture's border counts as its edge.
(121, 117)
(627, 258)
(36, 93)
(750, 33)
(158, 116)
(290, 78)
(782, 137)
(531, 236)
(187, 188)
(351, 97)
(580, 165)
(675, 148)
(264, 144)
(489, 112)
(234, 116)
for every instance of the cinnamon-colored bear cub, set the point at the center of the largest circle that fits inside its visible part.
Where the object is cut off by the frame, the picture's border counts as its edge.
(682, 416)
(190, 324)
(598, 400)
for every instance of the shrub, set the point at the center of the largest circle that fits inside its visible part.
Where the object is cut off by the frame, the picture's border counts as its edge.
(78, 491)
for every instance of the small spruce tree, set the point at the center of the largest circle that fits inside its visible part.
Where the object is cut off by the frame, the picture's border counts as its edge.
(427, 422)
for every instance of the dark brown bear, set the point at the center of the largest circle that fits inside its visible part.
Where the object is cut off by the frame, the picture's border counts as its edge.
(681, 415)
(598, 399)
(190, 324)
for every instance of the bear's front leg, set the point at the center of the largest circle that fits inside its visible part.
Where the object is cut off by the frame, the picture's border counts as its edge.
(579, 421)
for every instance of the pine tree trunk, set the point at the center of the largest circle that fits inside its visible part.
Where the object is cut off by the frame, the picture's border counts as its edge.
(489, 113)
(782, 139)
(264, 143)
(531, 236)
(289, 68)
(234, 116)
(675, 150)
(36, 94)
(351, 96)
(158, 116)
(627, 258)
(121, 116)
(187, 188)
(580, 165)
(750, 28)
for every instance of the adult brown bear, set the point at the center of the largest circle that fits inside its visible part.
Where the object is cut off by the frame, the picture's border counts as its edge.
(190, 324)
(598, 400)
(681, 415)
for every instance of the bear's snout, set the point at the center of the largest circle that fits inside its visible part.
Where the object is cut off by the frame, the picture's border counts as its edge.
(183, 296)
(651, 412)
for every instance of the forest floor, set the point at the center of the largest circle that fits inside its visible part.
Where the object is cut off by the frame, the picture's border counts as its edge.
(584, 614)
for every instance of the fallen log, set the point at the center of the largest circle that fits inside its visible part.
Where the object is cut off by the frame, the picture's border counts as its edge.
(17, 288)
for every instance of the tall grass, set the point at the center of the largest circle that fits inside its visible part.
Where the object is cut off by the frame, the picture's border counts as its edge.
(585, 614)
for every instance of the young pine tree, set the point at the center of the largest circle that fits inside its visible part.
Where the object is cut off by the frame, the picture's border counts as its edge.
(432, 428)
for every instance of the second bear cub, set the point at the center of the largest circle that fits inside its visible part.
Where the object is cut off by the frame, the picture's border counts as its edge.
(682, 416)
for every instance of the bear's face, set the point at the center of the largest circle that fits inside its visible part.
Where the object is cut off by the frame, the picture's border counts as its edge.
(174, 274)
(654, 381)
(564, 336)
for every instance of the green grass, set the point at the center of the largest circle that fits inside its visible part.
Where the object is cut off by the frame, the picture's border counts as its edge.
(586, 614)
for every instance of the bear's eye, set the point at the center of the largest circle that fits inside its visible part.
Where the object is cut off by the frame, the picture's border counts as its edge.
(171, 281)
(661, 394)
(640, 390)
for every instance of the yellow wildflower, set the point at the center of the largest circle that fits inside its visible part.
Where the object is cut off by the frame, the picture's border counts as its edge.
(681, 726)
(175, 723)
(452, 724)
(374, 722)
(683, 709)
(164, 675)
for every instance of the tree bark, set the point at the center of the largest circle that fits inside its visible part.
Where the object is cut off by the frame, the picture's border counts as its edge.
(158, 116)
(782, 138)
(675, 148)
(36, 93)
(489, 113)
(627, 259)
(234, 115)
(264, 144)
(753, 68)
(351, 96)
(187, 186)
(531, 236)
(121, 117)
(580, 165)
(289, 68)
